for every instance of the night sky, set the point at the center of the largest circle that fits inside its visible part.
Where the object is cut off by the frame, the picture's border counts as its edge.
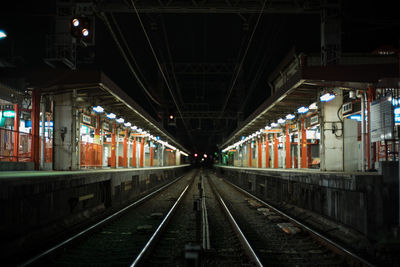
(199, 38)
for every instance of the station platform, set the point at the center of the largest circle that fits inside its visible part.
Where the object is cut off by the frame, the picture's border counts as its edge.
(364, 201)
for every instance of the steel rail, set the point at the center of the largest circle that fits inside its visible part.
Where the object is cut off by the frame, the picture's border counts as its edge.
(80, 234)
(343, 251)
(149, 243)
(246, 245)
(204, 215)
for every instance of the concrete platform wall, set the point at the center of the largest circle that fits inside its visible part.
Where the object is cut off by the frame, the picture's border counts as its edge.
(37, 209)
(365, 202)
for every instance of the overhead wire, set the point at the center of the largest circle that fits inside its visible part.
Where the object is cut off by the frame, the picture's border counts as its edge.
(131, 55)
(124, 55)
(242, 61)
(238, 69)
(161, 70)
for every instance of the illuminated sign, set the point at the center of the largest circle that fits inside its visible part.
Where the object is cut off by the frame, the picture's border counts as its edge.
(8, 113)
(86, 119)
(397, 115)
(314, 120)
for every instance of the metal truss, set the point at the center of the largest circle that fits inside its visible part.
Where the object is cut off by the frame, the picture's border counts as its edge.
(212, 6)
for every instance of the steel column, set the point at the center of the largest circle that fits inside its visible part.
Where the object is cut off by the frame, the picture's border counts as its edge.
(259, 153)
(151, 155)
(16, 133)
(303, 144)
(287, 147)
(250, 154)
(125, 149)
(266, 151)
(134, 152)
(276, 141)
(141, 157)
(35, 118)
(113, 159)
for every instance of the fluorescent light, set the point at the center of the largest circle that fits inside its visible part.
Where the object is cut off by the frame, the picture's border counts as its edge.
(313, 106)
(290, 116)
(327, 97)
(280, 121)
(274, 124)
(127, 124)
(356, 117)
(267, 127)
(120, 120)
(183, 153)
(139, 130)
(111, 116)
(302, 110)
(134, 127)
(98, 109)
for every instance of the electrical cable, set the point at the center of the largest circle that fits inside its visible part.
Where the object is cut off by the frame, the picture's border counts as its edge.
(126, 58)
(161, 70)
(131, 55)
(241, 62)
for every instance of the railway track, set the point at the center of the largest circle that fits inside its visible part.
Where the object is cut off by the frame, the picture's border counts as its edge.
(199, 221)
(117, 239)
(278, 239)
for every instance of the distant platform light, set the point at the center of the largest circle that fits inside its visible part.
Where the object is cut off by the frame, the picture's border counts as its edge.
(98, 109)
(327, 97)
(205, 155)
(127, 124)
(134, 127)
(302, 110)
(171, 117)
(290, 116)
(2, 34)
(120, 120)
(280, 121)
(75, 22)
(111, 116)
(195, 155)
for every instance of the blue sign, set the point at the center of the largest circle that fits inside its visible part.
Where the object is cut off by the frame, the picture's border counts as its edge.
(397, 115)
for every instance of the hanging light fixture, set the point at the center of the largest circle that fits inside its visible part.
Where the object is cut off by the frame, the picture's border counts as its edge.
(327, 97)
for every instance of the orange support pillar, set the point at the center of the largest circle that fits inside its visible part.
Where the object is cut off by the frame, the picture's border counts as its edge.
(259, 154)
(250, 154)
(16, 133)
(370, 98)
(276, 141)
(35, 118)
(134, 153)
(303, 144)
(125, 150)
(113, 158)
(266, 151)
(97, 138)
(151, 155)
(287, 146)
(141, 158)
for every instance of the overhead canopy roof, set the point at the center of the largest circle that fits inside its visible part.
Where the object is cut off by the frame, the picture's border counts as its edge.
(296, 83)
(95, 88)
